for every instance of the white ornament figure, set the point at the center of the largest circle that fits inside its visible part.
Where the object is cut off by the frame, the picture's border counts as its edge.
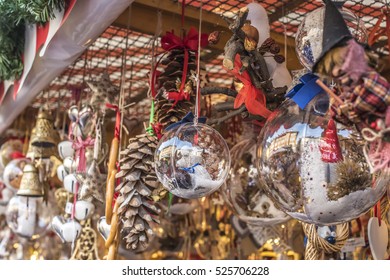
(279, 74)
(191, 161)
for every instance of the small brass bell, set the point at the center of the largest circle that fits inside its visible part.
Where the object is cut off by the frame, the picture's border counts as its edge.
(44, 135)
(30, 185)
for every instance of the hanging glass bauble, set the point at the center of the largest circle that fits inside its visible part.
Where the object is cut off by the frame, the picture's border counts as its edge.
(243, 191)
(192, 160)
(313, 168)
(309, 36)
(13, 172)
(28, 217)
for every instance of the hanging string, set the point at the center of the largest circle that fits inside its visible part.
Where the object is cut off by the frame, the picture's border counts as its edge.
(183, 5)
(153, 44)
(123, 80)
(284, 32)
(197, 98)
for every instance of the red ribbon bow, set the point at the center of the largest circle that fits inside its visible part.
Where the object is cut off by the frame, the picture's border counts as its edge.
(169, 42)
(253, 97)
(190, 42)
(80, 145)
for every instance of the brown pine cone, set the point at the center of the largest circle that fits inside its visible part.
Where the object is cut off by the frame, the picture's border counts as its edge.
(138, 181)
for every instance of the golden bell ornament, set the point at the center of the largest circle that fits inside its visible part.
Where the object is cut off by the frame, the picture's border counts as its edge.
(41, 152)
(30, 185)
(44, 135)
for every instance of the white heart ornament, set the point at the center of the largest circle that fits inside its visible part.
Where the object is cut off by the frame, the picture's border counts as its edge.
(84, 210)
(61, 172)
(70, 182)
(71, 231)
(378, 238)
(65, 149)
(56, 223)
(103, 227)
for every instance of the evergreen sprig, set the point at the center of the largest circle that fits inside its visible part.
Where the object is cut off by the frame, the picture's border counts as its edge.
(40, 11)
(14, 16)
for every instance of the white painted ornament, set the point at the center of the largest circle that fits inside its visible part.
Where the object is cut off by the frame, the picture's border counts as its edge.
(65, 149)
(84, 210)
(5, 194)
(378, 238)
(13, 172)
(71, 231)
(70, 164)
(28, 217)
(61, 172)
(70, 182)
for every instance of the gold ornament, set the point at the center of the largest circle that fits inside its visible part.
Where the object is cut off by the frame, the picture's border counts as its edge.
(86, 246)
(317, 245)
(40, 152)
(30, 184)
(62, 196)
(44, 135)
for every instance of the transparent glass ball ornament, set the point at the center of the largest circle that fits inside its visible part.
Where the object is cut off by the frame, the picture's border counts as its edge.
(192, 160)
(308, 39)
(28, 217)
(13, 172)
(313, 177)
(243, 192)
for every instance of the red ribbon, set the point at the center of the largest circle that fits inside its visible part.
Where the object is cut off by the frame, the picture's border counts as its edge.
(190, 42)
(157, 128)
(80, 145)
(117, 119)
(253, 97)
(169, 42)
(16, 155)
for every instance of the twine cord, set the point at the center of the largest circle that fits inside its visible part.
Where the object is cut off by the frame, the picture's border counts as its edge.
(317, 245)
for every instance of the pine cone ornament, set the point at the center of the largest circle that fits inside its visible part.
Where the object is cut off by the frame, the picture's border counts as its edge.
(166, 114)
(170, 78)
(138, 180)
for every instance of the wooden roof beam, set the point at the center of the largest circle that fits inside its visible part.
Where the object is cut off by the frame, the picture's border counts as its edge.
(144, 19)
